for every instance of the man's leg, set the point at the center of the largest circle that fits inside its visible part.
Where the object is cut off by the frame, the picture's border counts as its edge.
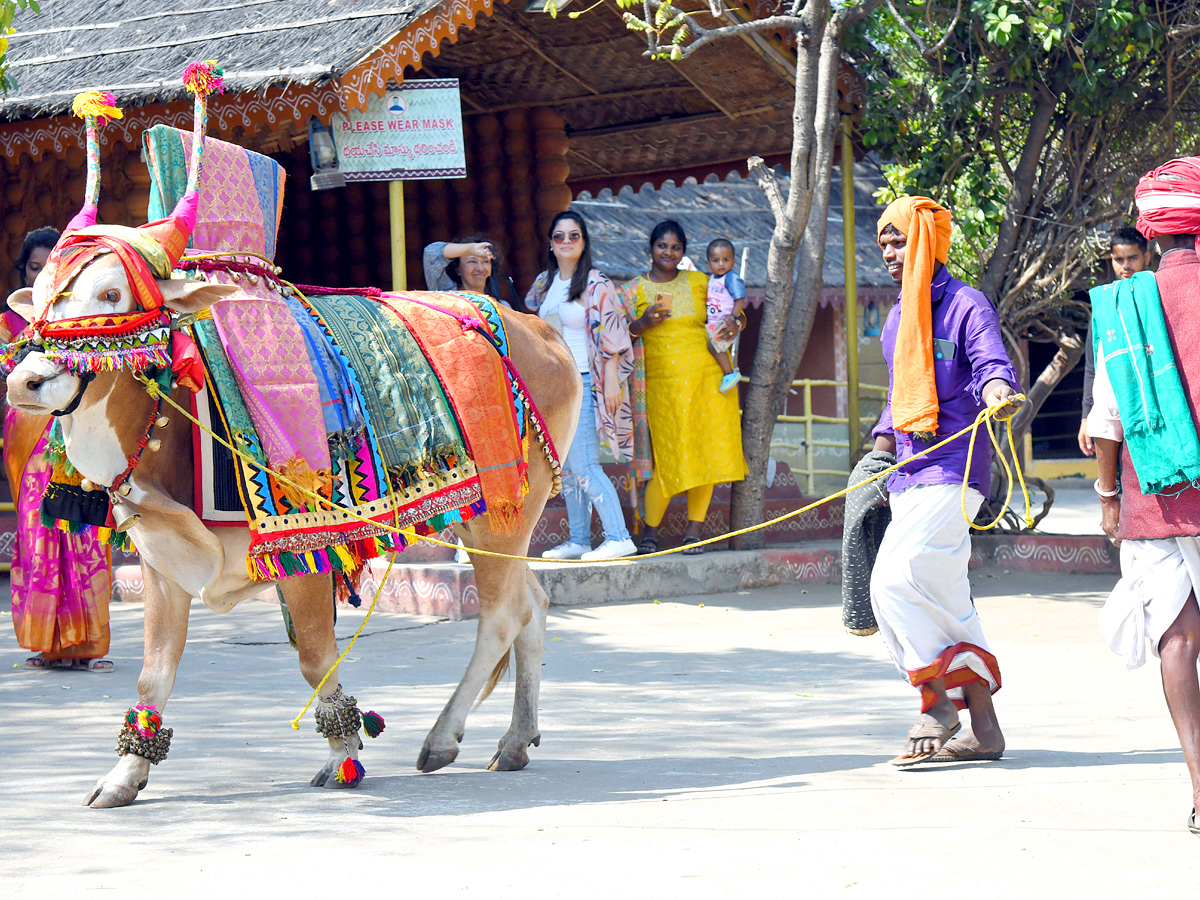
(1178, 650)
(985, 735)
(943, 714)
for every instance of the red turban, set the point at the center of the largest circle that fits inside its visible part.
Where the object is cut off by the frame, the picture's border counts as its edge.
(1168, 199)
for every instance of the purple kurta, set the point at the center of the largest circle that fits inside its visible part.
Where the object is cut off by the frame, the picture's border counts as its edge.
(968, 353)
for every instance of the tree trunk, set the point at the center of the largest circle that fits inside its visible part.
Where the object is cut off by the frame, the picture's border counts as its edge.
(1066, 359)
(1021, 190)
(786, 326)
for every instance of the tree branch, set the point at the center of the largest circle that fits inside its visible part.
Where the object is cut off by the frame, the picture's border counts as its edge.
(769, 184)
(708, 35)
(924, 48)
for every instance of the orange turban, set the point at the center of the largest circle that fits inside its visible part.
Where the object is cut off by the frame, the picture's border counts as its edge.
(914, 391)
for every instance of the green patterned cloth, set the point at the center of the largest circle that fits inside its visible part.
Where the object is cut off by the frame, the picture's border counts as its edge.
(414, 426)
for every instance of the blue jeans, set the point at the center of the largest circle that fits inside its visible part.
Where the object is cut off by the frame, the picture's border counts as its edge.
(584, 483)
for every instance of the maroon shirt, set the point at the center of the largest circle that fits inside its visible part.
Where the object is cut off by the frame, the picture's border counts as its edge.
(1163, 515)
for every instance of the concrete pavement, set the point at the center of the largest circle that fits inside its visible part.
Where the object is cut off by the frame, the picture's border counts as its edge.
(720, 746)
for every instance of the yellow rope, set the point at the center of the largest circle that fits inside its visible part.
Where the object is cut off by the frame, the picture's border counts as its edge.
(984, 416)
(350, 646)
(1007, 472)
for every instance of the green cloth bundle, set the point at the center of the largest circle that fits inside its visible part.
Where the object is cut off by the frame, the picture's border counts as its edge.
(1130, 334)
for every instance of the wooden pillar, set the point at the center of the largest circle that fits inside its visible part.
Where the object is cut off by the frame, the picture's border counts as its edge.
(525, 242)
(550, 144)
(490, 176)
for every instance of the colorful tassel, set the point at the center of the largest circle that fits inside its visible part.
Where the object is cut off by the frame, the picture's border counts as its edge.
(204, 78)
(350, 772)
(372, 724)
(99, 105)
(145, 720)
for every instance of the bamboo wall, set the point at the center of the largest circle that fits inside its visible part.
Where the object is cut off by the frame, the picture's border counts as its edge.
(49, 191)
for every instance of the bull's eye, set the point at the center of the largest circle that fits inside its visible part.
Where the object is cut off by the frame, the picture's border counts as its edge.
(112, 296)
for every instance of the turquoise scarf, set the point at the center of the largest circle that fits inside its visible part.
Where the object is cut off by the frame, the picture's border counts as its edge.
(1130, 333)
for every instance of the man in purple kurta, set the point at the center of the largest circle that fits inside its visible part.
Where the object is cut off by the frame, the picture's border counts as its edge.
(919, 587)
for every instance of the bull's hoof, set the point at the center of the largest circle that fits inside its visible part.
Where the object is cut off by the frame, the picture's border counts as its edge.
(325, 777)
(511, 760)
(432, 760)
(512, 755)
(111, 796)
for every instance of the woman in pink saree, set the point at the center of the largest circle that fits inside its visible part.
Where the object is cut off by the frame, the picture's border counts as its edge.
(61, 583)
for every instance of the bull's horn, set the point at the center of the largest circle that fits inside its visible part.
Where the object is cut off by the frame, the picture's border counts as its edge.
(174, 232)
(94, 107)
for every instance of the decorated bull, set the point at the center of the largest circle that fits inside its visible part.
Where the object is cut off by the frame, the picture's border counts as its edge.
(345, 423)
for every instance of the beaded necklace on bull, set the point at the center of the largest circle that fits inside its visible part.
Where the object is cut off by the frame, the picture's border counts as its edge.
(142, 341)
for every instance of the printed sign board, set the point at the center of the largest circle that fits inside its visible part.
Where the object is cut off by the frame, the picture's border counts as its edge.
(412, 132)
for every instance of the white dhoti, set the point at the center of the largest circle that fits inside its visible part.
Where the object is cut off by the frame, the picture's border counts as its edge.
(1157, 576)
(921, 595)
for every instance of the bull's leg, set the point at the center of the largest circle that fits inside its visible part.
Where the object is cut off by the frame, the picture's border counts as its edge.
(166, 625)
(523, 730)
(310, 602)
(504, 611)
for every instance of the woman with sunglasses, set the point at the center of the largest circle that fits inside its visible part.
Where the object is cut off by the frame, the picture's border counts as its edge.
(582, 305)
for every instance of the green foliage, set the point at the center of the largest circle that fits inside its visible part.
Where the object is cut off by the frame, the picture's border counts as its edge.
(955, 123)
(8, 11)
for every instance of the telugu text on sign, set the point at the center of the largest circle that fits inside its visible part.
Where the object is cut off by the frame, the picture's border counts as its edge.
(408, 133)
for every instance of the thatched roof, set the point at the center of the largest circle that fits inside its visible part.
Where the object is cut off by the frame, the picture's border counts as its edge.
(736, 209)
(138, 48)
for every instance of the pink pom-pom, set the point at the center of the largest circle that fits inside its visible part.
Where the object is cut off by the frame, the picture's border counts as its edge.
(204, 78)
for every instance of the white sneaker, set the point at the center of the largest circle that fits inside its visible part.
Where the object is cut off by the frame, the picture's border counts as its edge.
(611, 549)
(569, 550)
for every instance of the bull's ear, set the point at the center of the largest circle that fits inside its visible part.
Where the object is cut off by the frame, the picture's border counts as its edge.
(187, 296)
(21, 302)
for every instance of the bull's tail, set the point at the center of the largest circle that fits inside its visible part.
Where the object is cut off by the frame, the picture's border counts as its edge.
(494, 679)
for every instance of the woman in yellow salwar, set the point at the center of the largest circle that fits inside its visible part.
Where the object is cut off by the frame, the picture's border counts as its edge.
(695, 430)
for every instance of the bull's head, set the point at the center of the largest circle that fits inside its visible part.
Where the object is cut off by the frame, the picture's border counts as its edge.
(101, 306)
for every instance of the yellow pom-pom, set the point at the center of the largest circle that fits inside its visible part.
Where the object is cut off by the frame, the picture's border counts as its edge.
(100, 105)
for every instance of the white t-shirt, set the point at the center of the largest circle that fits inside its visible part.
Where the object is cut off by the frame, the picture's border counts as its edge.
(570, 319)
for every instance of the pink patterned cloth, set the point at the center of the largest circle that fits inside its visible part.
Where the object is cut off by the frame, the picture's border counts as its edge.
(231, 216)
(267, 353)
(61, 583)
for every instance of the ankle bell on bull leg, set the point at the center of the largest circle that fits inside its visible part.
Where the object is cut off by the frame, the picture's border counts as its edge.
(143, 734)
(338, 716)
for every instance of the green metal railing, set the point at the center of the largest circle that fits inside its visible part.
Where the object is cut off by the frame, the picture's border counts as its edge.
(809, 418)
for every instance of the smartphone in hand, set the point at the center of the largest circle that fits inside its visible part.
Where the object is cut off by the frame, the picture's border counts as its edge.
(664, 299)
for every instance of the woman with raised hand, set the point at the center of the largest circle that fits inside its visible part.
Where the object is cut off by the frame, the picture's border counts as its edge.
(471, 263)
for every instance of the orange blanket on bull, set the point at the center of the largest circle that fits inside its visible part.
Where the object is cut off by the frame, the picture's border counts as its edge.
(481, 392)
